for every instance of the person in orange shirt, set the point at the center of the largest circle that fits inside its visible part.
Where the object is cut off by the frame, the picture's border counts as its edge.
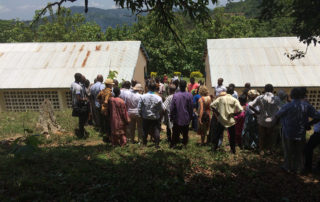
(192, 85)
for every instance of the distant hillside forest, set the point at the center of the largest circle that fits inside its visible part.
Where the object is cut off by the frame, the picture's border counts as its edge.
(106, 18)
(235, 20)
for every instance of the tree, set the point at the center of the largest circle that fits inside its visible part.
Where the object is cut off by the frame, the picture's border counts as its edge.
(66, 27)
(305, 15)
(163, 10)
(17, 32)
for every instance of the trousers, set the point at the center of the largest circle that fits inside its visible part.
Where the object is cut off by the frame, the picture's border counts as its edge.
(82, 121)
(152, 127)
(176, 131)
(96, 114)
(313, 142)
(135, 122)
(267, 137)
(219, 133)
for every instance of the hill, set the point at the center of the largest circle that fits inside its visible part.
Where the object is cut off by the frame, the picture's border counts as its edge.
(113, 17)
(105, 18)
(249, 8)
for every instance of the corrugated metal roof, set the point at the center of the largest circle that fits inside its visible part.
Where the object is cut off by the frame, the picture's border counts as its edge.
(53, 65)
(261, 61)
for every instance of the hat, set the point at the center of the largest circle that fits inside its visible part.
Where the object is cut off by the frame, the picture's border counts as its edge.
(109, 81)
(138, 87)
(253, 93)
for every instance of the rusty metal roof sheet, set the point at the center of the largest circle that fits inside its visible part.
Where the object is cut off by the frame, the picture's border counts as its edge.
(53, 65)
(261, 61)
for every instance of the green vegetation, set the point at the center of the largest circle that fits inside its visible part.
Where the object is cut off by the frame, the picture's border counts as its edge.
(64, 168)
(112, 74)
(304, 15)
(196, 74)
(166, 55)
(153, 74)
(248, 8)
(106, 18)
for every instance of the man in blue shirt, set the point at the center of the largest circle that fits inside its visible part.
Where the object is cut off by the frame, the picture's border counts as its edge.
(95, 90)
(294, 119)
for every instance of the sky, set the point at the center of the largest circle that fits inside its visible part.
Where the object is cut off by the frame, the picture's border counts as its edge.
(24, 9)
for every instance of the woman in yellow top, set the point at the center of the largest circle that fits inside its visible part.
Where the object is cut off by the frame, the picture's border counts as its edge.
(204, 113)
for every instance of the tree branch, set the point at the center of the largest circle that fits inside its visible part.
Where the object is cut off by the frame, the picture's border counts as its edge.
(297, 54)
(50, 5)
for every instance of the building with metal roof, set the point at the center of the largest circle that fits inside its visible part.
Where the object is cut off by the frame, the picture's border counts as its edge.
(261, 61)
(31, 72)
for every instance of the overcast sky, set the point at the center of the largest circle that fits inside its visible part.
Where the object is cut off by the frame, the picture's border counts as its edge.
(24, 9)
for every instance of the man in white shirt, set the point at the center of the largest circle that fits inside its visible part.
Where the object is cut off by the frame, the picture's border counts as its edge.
(135, 119)
(269, 105)
(235, 93)
(220, 88)
(79, 106)
(151, 109)
(125, 91)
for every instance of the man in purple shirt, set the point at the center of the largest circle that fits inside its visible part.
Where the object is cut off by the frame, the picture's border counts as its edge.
(181, 110)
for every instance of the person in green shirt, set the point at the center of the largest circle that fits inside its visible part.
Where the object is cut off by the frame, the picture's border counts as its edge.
(225, 108)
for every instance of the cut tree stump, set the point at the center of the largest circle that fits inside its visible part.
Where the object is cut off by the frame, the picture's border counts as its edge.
(47, 121)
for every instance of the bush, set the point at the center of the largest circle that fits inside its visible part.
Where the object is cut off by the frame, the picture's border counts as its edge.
(153, 74)
(196, 74)
(177, 74)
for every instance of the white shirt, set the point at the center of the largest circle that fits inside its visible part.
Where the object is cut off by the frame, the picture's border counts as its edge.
(269, 105)
(125, 94)
(235, 94)
(150, 106)
(132, 102)
(76, 89)
(161, 88)
(250, 111)
(220, 89)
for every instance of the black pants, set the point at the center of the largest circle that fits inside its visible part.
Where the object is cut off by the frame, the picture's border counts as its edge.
(96, 113)
(219, 134)
(176, 131)
(152, 127)
(313, 142)
(82, 121)
(213, 129)
(169, 134)
(102, 122)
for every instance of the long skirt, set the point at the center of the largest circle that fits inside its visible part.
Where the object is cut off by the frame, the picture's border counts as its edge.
(250, 136)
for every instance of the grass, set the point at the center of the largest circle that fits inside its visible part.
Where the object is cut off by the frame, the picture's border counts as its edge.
(64, 168)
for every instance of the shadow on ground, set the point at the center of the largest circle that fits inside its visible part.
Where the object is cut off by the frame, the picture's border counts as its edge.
(100, 173)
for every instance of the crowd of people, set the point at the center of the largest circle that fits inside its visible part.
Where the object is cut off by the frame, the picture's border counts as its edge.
(254, 120)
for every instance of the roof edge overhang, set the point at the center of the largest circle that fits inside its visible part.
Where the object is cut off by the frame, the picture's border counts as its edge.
(144, 51)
